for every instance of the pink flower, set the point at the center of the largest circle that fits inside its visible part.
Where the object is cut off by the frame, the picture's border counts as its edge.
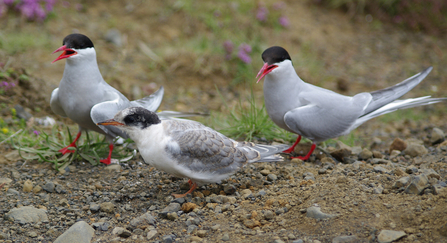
(262, 13)
(243, 54)
(284, 21)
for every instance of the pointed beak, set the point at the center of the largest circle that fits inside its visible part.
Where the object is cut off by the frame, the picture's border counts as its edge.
(266, 69)
(110, 122)
(67, 52)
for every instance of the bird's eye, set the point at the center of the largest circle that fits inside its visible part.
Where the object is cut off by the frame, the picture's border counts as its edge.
(129, 119)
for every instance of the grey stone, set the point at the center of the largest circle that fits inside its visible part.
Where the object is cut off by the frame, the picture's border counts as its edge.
(225, 237)
(12, 192)
(430, 173)
(417, 184)
(415, 150)
(107, 207)
(365, 154)
(121, 232)
(27, 214)
(403, 181)
(379, 169)
(142, 220)
(31, 234)
(272, 177)
(229, 189)
(79, 232)
(347, 239)
(378, 190)
(151, 234)
(298, 241)
(387, 236)
(168, 239)
(269, 215)
(94, 207)
(315, 212)
(278, 241)
(172, 207)
(411, 169)
(60, 189)
(192, 228)
(437, 136)
(113, 167)
(22, 113)
(172, 216)
(49, 187)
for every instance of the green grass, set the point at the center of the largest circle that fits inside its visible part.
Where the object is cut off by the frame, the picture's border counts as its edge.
(44, 147)
(21, 41)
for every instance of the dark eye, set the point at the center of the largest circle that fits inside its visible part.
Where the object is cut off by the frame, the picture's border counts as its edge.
(129, 119)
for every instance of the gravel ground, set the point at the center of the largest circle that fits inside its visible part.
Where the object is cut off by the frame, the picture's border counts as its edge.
(365, 196)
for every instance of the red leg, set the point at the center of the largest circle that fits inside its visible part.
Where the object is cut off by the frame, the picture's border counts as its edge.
(312, 148)
(192, 187)
(73, 144)
(108, 160)
(290, 150)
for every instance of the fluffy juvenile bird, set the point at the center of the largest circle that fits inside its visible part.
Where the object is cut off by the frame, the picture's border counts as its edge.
(84, 96)
(189, 149)
(319, 114)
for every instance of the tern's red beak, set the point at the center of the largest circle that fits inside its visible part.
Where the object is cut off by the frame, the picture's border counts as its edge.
(265, 70)
(110, 122)
(67, 52)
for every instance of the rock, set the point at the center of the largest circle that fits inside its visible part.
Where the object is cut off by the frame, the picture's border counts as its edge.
(415, 150)
(31, 234)
(229, 189)
(398, 144)
(201, 233)
(251, 223)
(430, 173)
(94, 207)
(60, 189)
(437, 136)
(79, 232)
(347, 239)
(121, 232)
(340, 154)
(386, 236)
(411, 169)
(151, 234)
(401, 182)
(171, 208)
(22, 113)
(379, 169)
(37, 189)
(315, 212)
(49, 187)
(27, 214)
(365, 154)
(192, 229)
(438, 189)
(378, 190)
(113, 167)
(246, 193)
(168, 239)
(143, 220)
(394, 154)
(107, 207)
(189, 206)
(225, 237)
(27, 186)
(264, 172)
(417, 184)
(443, 230)
(172, 216)
(5, 180)
(271, 177)
(377, 154)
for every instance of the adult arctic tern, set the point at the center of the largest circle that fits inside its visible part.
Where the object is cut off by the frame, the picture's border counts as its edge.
(189, 149)
(84, 96)
(319, 114)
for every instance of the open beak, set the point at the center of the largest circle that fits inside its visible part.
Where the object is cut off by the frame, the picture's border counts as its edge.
(67, 52)
(265, 70)
(110, 122)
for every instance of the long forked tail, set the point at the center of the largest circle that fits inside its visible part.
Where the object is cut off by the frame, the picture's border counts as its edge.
(387, 95)
(397, 105)
(269, 153)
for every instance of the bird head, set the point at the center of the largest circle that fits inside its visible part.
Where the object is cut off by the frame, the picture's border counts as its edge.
(133, 119)
(274, 59)
(75, 45)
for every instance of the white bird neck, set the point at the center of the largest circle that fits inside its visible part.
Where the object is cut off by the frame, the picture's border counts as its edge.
(82, 68)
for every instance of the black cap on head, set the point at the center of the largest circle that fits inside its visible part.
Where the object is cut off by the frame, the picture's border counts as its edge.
(138, 116)
(275, 54)
(77, 41)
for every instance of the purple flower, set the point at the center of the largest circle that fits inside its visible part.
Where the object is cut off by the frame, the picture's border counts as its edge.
(262, 13)
(36, 132)
(284, 21)
(244, 50)
(228, 46)
(8, 2)
(49, 5)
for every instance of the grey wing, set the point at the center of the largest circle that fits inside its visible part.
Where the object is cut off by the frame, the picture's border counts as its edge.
(107, 110)
(55, 104)
(151, 102)
(207, 150)
(319, 123)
